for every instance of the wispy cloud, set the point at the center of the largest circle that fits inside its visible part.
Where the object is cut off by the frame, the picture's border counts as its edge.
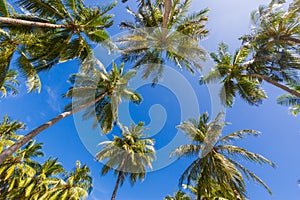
(28, 119)
(53, 99)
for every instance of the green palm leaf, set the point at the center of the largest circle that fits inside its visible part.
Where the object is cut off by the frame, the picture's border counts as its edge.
(290, 100)
(65, 26)
(148, 45)
(128, 155)
(216, 174)
(3, 9)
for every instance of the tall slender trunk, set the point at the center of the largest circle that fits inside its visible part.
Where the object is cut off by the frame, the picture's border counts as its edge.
(167, 10)
(8, 20)
(283, 87)
(116, 186)
(18, 144)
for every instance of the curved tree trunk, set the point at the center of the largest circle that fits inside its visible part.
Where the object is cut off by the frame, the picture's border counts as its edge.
(283, 87)
(8, 20)
(18, 144)
(113, 197)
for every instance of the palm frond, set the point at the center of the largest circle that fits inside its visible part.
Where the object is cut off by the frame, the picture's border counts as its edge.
(4, 9)
(288, 100)
(249, 174)
(238, 135)
(234, 150)
(186, 150)
(41, 8)
(129, 154)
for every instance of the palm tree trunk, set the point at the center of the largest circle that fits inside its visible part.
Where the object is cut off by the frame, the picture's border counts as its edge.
(283, 87)
(8, 20)
(116, 186)
(18, 144)
(167, 10)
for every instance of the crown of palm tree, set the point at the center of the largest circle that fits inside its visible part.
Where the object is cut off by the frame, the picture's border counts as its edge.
(75, 185)
(232, 72)
(129, 155)
(21, 177)
(52, 32)
(275, 41)
(151, 45)
(217, 168)
(106, 87)
(269, 53)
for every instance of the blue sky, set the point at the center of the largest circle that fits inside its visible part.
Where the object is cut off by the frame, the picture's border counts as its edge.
(279, 141)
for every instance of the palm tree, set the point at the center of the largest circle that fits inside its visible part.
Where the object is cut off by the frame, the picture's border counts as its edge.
(128, 155)
(241, 76)
(22, 177)
(216, 164)
(9, 84)
(76, 185)
(63, 25)
(274, 43)
(269, 53)
(292, 101)
(231, 71)
(158, 35)
(29, 178)
(275, 26)
(44, 182)
(97, 90)
(17, 171)
(18, 166)
(179, 195)
(46, 177)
